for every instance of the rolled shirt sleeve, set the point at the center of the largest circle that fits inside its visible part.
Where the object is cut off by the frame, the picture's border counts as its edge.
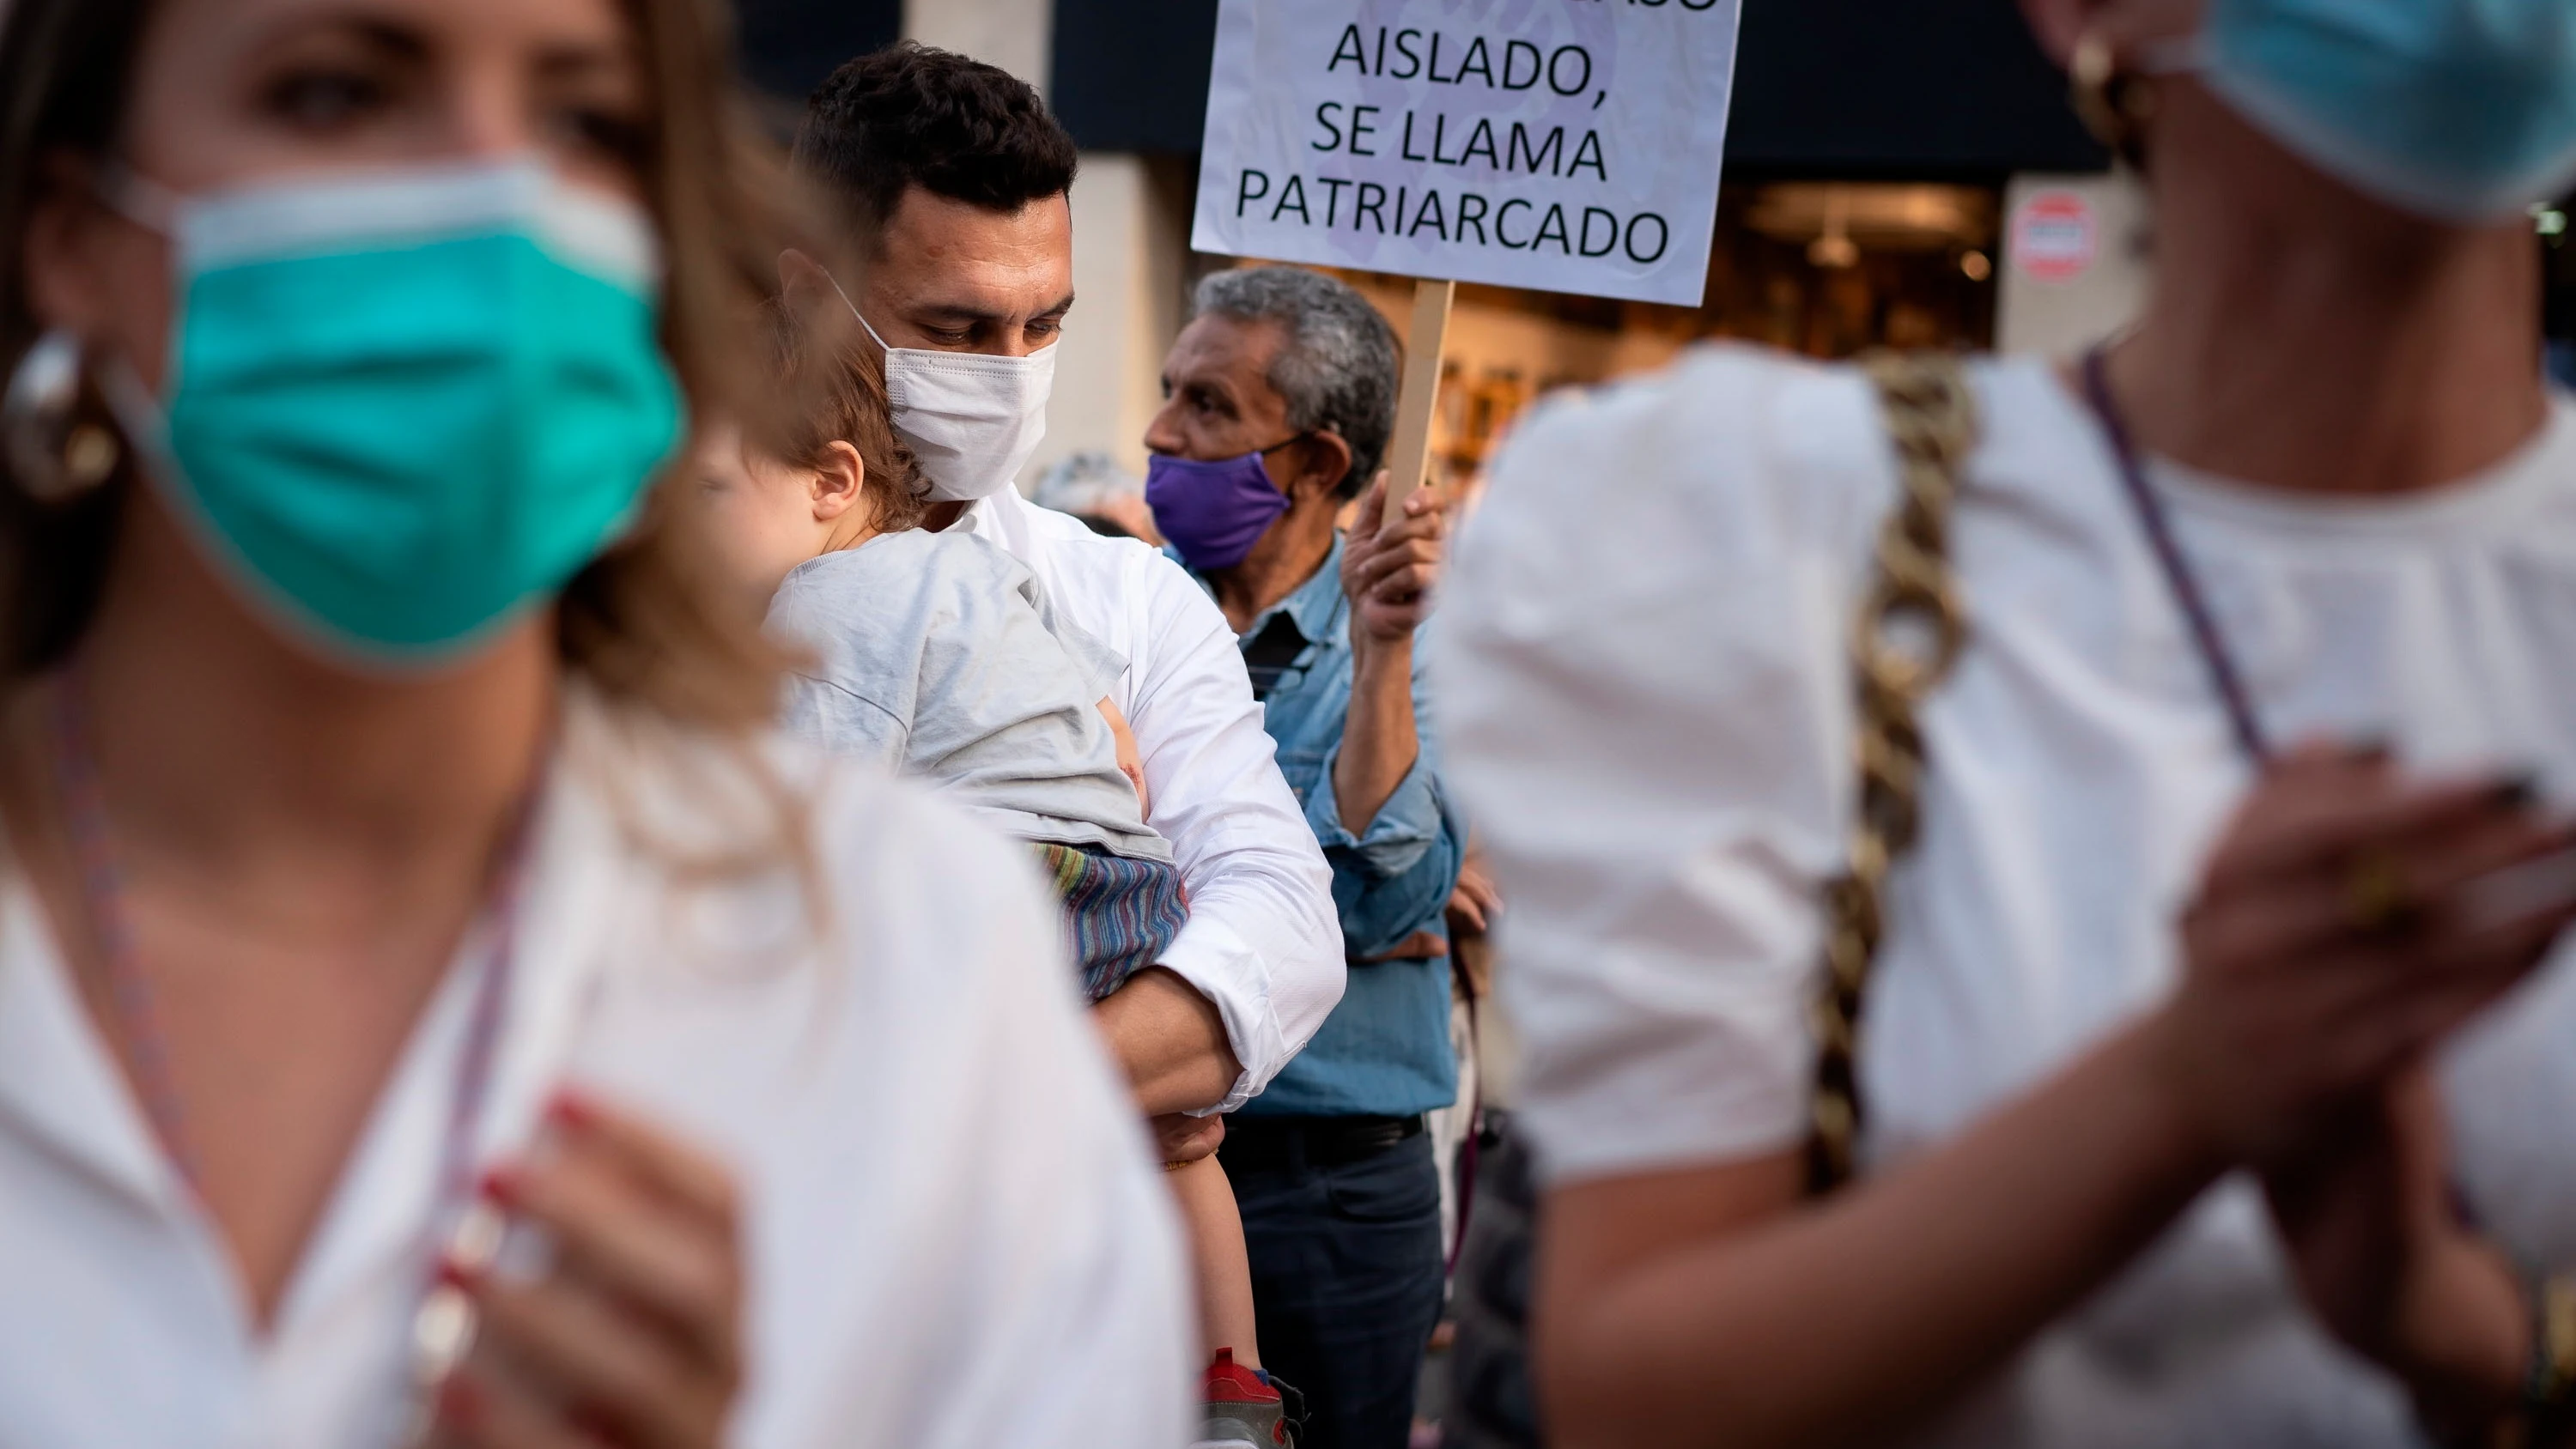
(1404, 828)
(1648, 715)
(1383, 913)
(1395, 877)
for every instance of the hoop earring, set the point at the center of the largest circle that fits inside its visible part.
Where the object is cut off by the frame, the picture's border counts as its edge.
(2115, 105)
(54, 453)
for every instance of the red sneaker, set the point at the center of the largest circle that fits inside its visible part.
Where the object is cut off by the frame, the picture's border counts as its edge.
(1240, 1410)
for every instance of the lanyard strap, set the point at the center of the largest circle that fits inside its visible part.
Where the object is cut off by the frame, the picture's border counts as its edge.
(2157, 521)
(138, 1010)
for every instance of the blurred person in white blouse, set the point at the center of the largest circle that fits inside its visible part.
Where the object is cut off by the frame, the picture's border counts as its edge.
(2215, 1059)
(432, 1006)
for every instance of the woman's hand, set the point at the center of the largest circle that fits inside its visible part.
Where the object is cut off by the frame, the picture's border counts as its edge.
(2331, 946)
(632, 1337)
(2387, 1263)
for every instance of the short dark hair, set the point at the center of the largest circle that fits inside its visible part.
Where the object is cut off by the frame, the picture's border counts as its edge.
(911, 115)
(1337, 364)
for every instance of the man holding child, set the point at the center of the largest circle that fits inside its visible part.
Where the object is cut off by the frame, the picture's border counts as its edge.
(953, 179)
(954, 182)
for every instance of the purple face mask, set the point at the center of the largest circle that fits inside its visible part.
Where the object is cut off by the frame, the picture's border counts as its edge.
(1213, 512)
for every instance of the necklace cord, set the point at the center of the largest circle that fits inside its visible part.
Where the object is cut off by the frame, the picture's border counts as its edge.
(102, 894)
(2157, 521)
(139, 1017)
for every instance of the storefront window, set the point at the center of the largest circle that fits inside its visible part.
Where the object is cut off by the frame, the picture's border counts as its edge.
(1830, 269)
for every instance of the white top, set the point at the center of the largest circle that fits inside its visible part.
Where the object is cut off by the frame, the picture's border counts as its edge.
(956, 1234)
(937, 654)
(1263, 941)
(1649, 712)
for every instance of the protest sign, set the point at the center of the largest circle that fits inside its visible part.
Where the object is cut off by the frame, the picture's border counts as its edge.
(1562, 145)
(1559, 145)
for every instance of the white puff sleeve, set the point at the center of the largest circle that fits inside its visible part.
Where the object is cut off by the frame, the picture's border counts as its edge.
(1648, 717)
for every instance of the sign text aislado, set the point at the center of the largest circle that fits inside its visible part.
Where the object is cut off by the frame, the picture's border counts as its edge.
(1564, 145)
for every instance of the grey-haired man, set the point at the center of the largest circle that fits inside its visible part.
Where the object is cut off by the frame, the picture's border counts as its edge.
(1281, 400)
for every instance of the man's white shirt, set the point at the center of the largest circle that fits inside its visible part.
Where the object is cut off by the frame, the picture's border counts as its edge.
(1263, 940)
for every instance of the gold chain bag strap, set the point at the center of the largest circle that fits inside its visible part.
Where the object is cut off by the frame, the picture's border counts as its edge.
(1910, 632)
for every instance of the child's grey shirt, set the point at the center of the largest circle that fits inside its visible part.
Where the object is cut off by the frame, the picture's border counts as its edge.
(940, 655)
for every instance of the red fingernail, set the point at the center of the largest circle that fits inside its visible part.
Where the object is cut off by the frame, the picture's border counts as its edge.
(573, 1110)
(460, 1403)
(502, 1185)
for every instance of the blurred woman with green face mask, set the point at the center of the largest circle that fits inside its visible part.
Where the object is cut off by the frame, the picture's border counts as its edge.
(430, 1010)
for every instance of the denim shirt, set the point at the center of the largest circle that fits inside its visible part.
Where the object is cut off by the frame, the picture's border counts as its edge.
(1385, 1049)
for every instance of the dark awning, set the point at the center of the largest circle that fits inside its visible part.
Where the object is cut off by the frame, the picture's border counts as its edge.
(1823, 87)
(789, 46)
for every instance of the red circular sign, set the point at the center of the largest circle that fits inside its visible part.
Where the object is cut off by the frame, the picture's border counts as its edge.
(2056, 237)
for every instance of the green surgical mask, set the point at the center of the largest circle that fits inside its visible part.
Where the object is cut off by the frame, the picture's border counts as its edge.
(403, 408)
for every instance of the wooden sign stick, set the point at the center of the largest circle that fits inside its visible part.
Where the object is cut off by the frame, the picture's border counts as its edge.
(1409, 466)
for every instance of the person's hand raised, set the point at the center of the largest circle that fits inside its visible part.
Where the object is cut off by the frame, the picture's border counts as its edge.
(632, 1335)
(1390, 566)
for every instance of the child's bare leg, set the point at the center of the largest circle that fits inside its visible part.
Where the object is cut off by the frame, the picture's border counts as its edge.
(1220, 1267)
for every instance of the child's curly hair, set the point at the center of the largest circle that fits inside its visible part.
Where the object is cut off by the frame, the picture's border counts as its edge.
(832, 379)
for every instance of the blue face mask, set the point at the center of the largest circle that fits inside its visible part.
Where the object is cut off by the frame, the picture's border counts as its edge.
(404, 408)
(2463, 110)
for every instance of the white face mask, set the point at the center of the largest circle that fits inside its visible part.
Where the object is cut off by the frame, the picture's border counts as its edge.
(971, 420)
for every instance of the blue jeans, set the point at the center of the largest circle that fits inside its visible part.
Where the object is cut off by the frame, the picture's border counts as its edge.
(1346, 1284)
